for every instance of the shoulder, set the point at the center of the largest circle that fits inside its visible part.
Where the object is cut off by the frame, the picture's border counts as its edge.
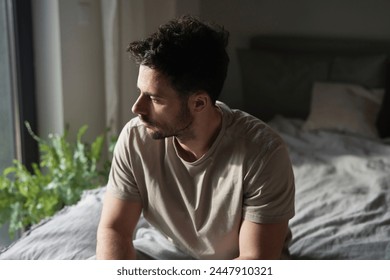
(132, 126)
(133, 136)
(242, 127)
(133, 129)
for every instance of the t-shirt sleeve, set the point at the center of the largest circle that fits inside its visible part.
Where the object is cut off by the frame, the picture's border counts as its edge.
(121, 181)
(269, 189)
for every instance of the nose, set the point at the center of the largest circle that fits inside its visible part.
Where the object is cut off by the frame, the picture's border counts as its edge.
(139, 107)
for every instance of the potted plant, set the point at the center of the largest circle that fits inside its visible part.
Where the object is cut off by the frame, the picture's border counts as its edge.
(64, 171)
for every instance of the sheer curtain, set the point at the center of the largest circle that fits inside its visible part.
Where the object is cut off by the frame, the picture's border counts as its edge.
(123, 21)
(111, 41)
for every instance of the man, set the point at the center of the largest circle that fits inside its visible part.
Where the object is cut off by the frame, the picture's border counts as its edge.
(216, 182)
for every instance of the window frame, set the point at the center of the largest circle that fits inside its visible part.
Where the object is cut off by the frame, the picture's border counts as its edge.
(23, 79)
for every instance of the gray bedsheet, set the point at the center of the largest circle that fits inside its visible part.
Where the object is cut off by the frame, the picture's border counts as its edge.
(71, 235)
(342, 194)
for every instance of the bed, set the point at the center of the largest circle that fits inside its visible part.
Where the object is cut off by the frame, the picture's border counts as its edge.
(329, 100)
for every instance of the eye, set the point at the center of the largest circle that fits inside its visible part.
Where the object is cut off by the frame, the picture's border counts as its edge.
(154, 99)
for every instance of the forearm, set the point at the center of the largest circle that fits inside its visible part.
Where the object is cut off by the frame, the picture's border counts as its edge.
(113, 246)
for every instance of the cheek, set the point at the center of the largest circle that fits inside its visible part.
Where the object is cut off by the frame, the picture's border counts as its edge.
(160, 111)
(166, 115)
(157, 115)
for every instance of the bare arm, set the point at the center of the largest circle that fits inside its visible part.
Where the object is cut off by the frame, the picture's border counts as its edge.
(115, 231)
(262, 241)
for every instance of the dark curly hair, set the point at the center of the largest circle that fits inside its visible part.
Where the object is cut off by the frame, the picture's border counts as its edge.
(190, 52)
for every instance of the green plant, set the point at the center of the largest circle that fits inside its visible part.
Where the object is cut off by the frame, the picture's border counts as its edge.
(65, 170)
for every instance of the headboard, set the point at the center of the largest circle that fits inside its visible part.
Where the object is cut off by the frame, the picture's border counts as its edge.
(278, 72)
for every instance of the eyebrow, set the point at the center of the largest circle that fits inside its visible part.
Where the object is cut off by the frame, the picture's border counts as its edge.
(156, 95)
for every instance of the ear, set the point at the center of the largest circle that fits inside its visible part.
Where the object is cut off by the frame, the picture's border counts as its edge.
(199, 101)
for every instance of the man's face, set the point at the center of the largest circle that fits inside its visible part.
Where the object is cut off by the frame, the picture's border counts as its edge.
(163, 112)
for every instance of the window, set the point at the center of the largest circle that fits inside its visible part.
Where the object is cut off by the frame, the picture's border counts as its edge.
(16, 85)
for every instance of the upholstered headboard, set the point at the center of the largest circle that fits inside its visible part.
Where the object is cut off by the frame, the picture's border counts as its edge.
(278, 72)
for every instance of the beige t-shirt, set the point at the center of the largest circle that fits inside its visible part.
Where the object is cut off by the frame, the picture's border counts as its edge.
(246, 174)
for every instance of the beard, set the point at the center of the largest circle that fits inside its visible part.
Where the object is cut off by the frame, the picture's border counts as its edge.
(180, 128)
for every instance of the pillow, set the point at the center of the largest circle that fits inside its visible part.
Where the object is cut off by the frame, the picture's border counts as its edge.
(347, 108)
(70, 234)
(276, 82)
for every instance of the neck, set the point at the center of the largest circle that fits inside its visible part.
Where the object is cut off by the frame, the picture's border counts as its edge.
(204, 131)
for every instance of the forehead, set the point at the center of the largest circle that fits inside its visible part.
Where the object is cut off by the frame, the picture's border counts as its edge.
(153, 81)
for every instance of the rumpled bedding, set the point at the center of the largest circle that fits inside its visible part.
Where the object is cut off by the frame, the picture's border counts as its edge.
(342, 198)
(342, 194)
(71, 235)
